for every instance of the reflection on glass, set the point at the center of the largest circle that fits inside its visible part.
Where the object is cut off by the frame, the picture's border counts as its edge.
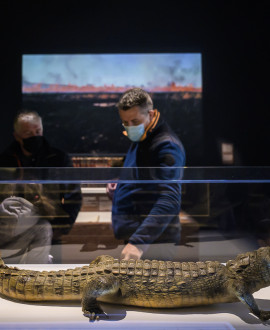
(224, 211)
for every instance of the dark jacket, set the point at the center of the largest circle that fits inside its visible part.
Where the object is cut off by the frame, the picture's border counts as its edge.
(64, 199)
(47, 156)
(145, 213)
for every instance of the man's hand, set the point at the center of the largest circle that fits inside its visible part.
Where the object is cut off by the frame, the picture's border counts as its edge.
(110, 189)
(131, 251)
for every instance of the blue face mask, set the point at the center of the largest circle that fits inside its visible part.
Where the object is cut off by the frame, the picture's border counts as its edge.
(135, 132)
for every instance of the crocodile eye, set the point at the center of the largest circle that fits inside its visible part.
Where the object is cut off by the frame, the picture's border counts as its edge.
(243, 266)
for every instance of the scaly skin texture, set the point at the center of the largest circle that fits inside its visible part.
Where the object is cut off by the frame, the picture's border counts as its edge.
(144, 283)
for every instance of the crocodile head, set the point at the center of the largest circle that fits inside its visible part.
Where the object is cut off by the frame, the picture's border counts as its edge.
(246, 266)
(264, 254)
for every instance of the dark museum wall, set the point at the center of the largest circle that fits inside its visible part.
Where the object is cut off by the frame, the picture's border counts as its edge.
(233, 37)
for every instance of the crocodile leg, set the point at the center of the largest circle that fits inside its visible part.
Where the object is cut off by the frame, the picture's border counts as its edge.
(96, 287)
(247, 299)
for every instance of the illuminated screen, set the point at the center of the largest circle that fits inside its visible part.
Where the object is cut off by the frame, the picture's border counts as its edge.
(76, 96)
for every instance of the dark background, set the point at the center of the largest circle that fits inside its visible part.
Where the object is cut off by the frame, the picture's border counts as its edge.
(77, 124)
(233, 37)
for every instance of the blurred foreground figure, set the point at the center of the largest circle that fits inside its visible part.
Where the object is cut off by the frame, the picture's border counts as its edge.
(25, 236)
(58, 204)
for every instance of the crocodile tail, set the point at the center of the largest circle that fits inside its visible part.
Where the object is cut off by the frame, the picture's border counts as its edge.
(2, 264)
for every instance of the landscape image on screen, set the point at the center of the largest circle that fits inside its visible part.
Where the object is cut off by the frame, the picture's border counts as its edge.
(76, 95)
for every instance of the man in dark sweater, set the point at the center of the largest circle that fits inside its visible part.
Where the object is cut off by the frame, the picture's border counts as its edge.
(146, 215)
(55, 204)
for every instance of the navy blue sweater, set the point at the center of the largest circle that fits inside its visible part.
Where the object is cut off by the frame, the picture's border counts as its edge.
(144, 213)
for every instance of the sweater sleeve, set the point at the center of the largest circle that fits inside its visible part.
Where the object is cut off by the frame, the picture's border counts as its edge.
(170, 158)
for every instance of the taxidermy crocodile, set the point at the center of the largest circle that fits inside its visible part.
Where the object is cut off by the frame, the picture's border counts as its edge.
(144, 283)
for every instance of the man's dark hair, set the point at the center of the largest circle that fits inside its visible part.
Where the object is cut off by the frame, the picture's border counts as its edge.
(135, 97)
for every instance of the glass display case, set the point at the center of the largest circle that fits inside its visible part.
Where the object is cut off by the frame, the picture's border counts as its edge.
(224, 211)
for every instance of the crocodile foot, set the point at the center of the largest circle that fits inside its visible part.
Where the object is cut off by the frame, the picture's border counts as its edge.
(264, 315)
(95, 314)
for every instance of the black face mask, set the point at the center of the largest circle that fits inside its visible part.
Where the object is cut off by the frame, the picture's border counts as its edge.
(33, 144)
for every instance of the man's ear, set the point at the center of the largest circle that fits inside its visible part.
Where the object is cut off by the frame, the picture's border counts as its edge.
(151, 114)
